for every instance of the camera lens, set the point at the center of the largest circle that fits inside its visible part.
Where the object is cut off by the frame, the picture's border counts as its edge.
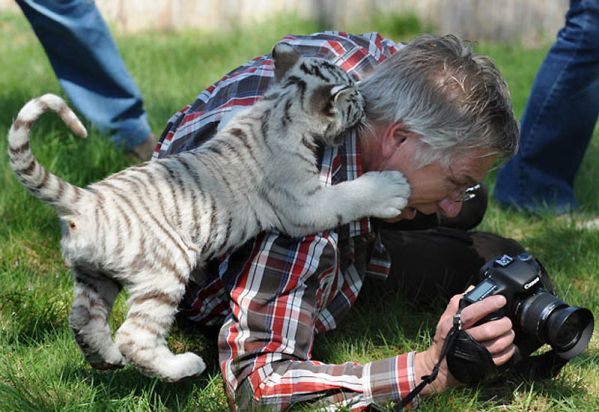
(566, 334)
(568, 329)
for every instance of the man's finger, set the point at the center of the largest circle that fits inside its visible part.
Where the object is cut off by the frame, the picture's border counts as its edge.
(475, 312)
(500, 343)
(490, 330)
(503, 357)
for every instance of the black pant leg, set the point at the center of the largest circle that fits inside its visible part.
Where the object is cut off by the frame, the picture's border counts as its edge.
(433, 264)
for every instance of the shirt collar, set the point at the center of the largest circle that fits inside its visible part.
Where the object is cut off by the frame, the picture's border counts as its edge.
(343, 163)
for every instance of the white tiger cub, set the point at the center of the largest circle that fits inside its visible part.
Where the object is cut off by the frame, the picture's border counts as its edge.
(146, 227)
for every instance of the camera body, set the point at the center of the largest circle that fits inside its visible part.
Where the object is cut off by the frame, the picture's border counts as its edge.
(537, 314)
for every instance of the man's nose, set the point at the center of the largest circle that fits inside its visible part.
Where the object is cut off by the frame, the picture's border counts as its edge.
(449, 207)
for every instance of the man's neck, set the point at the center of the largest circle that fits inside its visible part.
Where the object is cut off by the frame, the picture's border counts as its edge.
(369, 143)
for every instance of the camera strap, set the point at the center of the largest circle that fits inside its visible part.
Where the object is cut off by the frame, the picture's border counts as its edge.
(469, 361)
(453, 333)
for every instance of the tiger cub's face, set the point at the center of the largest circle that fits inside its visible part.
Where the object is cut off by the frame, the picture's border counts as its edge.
(328, 95)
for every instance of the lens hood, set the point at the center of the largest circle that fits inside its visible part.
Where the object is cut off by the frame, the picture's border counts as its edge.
(569, 330)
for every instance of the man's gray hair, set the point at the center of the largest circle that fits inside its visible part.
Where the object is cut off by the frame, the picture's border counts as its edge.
(455, 99)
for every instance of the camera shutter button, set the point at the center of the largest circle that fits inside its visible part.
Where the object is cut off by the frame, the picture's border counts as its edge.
(524, 257)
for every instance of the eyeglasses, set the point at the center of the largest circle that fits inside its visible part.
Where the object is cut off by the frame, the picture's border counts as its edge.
(468, 194)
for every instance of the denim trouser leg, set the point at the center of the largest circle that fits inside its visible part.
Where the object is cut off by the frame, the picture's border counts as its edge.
(559, 118)
(89, 66)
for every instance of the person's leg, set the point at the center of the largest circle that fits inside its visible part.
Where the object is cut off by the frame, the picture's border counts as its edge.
(429, 265)
(89, 67)
(559, 118)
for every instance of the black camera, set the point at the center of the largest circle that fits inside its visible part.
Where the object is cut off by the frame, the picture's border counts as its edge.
(538, 315)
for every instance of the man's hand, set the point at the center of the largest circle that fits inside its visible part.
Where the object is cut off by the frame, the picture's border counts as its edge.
(496, 336)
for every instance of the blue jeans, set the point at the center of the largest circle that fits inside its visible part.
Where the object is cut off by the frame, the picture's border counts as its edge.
(559, 119)
(89, 67)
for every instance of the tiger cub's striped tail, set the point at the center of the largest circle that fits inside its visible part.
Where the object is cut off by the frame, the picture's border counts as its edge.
(37, 179)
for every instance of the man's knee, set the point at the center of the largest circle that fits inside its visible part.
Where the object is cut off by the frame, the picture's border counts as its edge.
(489, 245)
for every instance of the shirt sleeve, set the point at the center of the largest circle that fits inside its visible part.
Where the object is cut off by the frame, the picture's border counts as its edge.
(265, 344)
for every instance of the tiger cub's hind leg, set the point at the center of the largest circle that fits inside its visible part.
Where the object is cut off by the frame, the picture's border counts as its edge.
(142, 337)
(94, 297)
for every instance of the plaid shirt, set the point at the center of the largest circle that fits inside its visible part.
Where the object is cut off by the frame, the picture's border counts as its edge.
(275, 293)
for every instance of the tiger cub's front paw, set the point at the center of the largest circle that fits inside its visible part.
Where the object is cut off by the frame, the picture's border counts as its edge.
(390, 193)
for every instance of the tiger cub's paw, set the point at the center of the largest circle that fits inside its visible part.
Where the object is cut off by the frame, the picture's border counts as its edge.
(389, 195)
(184, 365)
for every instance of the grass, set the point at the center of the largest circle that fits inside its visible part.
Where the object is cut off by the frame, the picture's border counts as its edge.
(40, 365)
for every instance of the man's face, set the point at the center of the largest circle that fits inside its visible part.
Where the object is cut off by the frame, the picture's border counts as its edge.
(438, 188)
(435, 187)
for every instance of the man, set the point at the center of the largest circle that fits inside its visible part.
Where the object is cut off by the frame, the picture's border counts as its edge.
(438, 114)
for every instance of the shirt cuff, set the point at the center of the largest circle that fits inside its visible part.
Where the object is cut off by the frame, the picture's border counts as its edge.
(390, 379)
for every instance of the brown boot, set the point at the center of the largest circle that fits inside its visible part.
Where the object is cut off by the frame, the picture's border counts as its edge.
(145, 150)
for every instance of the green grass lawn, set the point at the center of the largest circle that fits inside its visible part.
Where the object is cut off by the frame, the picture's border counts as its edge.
(40, 365)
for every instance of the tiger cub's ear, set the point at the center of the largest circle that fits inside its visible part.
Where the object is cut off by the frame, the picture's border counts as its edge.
(327, 99)
(338, 93)
(284, 57)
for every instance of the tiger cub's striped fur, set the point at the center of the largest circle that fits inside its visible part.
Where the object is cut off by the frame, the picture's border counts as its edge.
(146, 227)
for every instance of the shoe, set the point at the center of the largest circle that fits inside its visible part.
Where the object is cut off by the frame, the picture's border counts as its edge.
(579, 220)
(588, 224)
(145, 150)
(592, 224)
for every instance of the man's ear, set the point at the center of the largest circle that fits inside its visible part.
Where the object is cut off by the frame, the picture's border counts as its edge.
(393, 138)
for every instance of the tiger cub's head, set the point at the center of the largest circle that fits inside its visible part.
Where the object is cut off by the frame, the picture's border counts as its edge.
(323, 97)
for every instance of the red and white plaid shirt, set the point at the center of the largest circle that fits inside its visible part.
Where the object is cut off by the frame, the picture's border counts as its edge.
(275, 293)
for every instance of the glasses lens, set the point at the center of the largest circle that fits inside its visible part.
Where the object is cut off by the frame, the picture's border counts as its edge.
(469, 193)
